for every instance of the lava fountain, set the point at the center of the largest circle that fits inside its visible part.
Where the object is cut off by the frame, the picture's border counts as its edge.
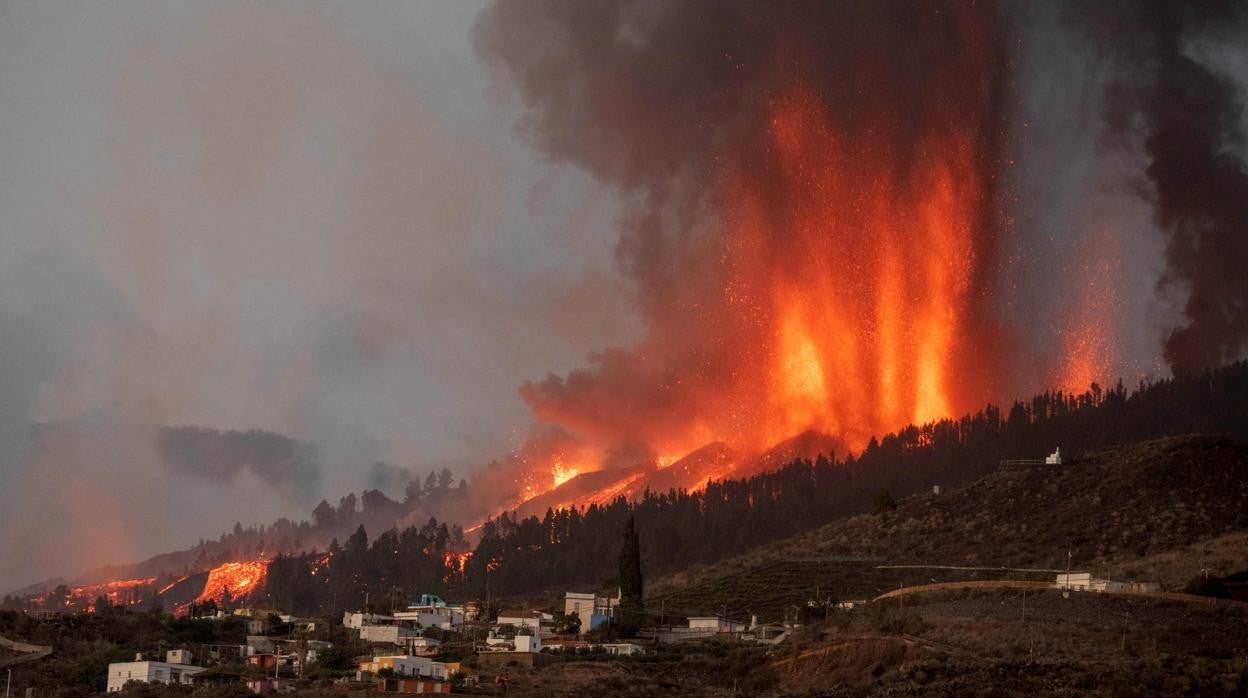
(811, 217)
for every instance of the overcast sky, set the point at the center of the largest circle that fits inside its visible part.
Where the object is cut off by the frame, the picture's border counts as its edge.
(309, 218)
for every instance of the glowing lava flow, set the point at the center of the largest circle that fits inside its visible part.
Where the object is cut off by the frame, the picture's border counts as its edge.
(122, 592)
(237, 578)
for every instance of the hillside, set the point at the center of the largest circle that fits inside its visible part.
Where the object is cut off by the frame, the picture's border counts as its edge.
(715, 461)
(1151, 511)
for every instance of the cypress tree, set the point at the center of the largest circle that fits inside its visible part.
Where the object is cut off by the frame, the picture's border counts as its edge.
(631, 612)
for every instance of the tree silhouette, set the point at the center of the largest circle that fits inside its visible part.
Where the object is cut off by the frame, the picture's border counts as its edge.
(631, 612)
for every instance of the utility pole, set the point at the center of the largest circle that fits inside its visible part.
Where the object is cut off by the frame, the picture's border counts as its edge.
(1024, 605)
(7, 682)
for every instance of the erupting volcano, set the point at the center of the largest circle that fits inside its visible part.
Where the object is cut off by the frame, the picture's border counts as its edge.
(813, 225)
(701, 240)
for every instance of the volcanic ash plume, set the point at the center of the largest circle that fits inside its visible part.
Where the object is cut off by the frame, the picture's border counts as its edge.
(811, 212)
(1189, 119)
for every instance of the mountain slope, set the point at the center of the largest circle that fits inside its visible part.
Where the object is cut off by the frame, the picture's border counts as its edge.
(1118, 507)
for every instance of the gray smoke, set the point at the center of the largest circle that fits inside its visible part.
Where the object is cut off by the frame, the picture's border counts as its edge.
(1187, 116)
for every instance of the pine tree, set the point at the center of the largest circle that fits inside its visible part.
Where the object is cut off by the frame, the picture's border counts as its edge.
(632, 610)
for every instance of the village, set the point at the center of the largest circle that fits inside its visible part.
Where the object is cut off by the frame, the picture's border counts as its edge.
(437, 647)
(409, 648)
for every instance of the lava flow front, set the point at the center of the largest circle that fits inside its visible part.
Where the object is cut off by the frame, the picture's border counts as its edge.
(235, 579)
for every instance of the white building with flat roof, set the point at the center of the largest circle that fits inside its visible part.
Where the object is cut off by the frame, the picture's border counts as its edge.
(426, 618)
(403, 665)
(593, 609)
(359, 620)
(527, 643)
(715, 624)
(397, 635)
(167, 673)
(533, 620)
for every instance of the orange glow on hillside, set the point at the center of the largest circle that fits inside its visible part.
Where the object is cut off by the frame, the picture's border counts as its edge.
(238, 578)
(122, 592)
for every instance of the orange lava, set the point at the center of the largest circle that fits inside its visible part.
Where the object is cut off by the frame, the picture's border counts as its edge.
(836, 280)
(238, 578)
(861, 315)
(563, 473)
(122, 592)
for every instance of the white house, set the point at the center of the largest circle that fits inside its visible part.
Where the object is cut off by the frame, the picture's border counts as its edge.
(401, 665)
(1054, 458)
(715, 624)
(359, 620)
(169, 672)
(525, 619)
(427, 618)
(407, 666)
(422, 644)
(622, 649)
(1074, 580)
(592, 609)
(389, 634)
(1084, 581)
(528, 643)
(432, 611)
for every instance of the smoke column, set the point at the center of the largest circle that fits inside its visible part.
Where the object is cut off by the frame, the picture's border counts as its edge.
(1189, 118)
(811, 209)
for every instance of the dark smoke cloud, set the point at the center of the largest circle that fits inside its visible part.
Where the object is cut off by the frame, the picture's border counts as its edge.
(287, 465)
(1188, 116)
(662, 99)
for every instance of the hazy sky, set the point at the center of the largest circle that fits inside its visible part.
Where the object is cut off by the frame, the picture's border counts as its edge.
(321, 219)
(309, 218)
